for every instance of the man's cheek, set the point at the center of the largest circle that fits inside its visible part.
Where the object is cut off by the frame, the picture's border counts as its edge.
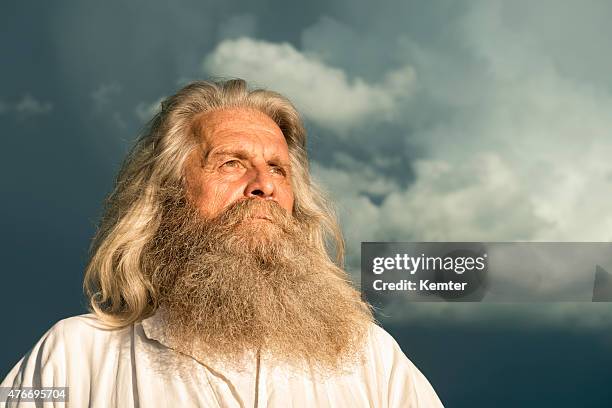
(223, 196)
(287, 201)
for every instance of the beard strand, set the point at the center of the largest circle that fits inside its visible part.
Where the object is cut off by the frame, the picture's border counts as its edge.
(236, 284)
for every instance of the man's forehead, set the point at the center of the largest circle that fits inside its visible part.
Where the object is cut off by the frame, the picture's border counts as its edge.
(235, 121)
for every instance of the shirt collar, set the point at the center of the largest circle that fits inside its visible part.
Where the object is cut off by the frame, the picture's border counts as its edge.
(155, 329)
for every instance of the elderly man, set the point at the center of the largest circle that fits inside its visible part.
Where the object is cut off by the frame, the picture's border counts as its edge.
(210, 280)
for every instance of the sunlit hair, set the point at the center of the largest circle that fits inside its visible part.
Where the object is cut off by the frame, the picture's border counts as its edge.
(118, 289)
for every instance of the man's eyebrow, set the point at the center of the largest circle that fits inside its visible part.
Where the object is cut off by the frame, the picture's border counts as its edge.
(244, 154)
(241, 154)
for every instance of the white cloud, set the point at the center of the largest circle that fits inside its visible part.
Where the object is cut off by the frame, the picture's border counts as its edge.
(30, 106)
(108, 104)
(516, 148)
(524, 156)
(104, 95)
(478, 200)
(25, 107)
(323, 93)
(146, 110)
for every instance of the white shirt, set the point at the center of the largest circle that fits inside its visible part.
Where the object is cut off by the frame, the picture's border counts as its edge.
(133, 367)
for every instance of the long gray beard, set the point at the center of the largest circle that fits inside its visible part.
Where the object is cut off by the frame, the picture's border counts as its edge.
(235, 284)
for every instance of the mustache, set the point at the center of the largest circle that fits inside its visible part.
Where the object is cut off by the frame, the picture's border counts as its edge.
(253, 208)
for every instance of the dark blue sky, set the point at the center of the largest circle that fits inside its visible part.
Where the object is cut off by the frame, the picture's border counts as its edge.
(474, 121)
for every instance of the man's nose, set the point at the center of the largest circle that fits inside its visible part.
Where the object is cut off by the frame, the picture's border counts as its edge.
(260, 184)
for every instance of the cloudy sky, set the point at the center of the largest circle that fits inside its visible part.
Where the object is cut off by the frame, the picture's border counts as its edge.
(428, 121)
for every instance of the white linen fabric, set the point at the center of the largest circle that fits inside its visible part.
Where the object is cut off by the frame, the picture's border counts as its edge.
(137, 367)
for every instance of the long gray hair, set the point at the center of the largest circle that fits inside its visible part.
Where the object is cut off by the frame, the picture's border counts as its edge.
(118, 289)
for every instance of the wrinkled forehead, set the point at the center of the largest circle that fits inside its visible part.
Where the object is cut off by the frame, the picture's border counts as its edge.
(216, 126)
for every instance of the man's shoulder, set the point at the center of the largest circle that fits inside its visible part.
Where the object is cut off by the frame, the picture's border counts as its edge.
(384, 349)
(81, 332)
(407, 386)
(84, 323)
(379, 337)
(71, 344)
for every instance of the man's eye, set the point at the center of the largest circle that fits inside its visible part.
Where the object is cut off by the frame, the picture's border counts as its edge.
(278, 170)
(231, 164)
